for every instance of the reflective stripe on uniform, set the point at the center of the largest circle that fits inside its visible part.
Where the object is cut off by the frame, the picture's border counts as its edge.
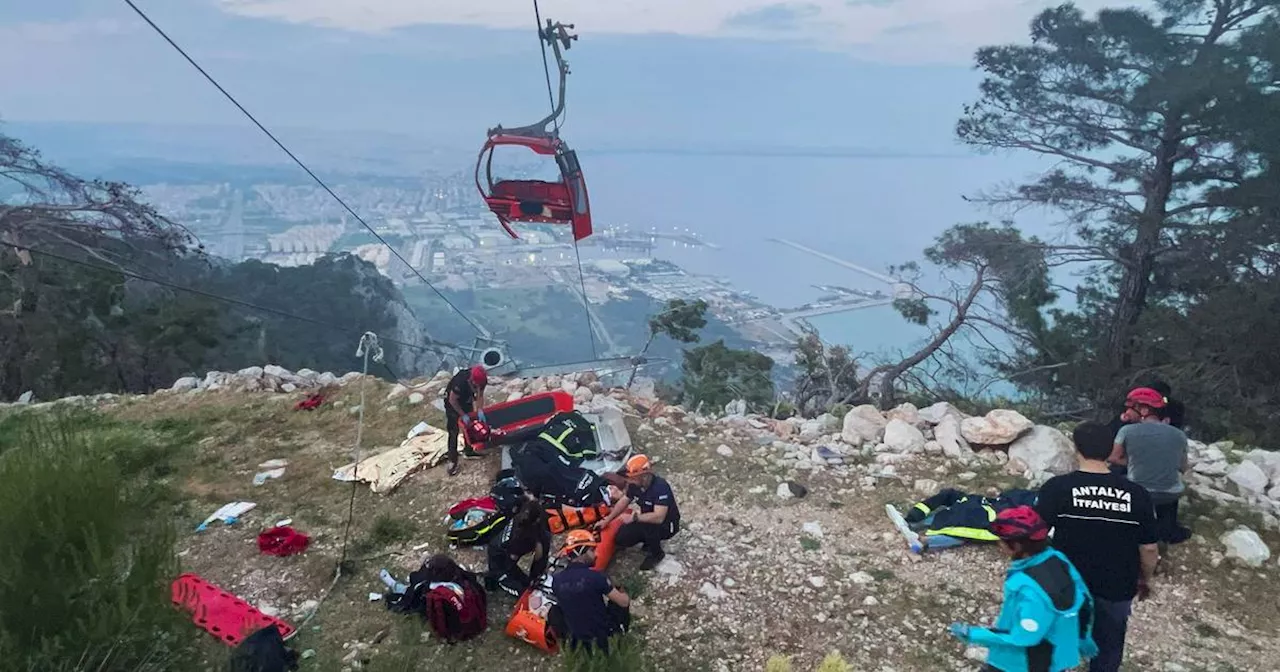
(974, 533)
(557, 441)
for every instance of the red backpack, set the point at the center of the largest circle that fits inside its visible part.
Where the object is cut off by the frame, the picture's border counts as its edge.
(456, 617)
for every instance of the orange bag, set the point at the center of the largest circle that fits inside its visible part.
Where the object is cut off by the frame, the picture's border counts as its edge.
(528, 622)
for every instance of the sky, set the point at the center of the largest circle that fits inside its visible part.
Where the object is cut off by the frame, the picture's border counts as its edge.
(889, 74)
(652, 81)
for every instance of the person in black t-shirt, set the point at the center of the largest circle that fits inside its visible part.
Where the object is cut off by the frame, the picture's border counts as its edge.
(1105, 524)
(463, 394)
(659, 517)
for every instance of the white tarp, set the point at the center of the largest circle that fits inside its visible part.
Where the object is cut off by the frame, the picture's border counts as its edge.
(385, 471)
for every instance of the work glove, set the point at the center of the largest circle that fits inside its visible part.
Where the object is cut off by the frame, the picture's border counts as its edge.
(466, 418)
(959, 630)
(483, 419)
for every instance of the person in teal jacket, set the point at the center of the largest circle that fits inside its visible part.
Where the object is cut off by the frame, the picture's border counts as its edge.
(1046, 621)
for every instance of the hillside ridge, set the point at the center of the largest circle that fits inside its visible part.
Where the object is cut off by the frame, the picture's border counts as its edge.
(786, 548)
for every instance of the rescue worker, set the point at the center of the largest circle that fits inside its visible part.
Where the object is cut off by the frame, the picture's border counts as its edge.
(572, 437)
(526, 534)
(1106, 526)
(659, 516)
(591, 609)
(1154, 453)
(463, 394)
(1173, 413)
(1046, 620)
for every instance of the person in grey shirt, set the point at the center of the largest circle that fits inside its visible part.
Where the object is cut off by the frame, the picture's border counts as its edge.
(1156, 455)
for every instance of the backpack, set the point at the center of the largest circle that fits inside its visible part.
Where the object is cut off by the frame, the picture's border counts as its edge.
(475, 527)
(473, 522)
(457, 612)
(263, 651)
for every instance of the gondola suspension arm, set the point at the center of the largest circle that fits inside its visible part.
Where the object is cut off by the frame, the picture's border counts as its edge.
(558, 36)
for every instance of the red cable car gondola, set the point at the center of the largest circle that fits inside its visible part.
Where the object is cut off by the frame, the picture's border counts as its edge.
(561, 202)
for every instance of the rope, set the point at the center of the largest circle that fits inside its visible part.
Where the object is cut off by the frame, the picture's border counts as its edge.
(586, 305)
(437, 347)
(304, 167)
(546, 69)
(368, 349)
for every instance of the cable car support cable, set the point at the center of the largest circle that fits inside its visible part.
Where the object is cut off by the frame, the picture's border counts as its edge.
(556, 111)
(303, 166)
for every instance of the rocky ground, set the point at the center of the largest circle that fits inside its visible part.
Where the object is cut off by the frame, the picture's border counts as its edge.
(786, 547)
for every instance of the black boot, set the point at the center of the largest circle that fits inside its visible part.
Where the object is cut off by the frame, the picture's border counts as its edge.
(651, 561)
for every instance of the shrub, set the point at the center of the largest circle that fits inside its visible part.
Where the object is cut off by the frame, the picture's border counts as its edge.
(87, 556)
(387, 530)
(778, 664)
(834, 662)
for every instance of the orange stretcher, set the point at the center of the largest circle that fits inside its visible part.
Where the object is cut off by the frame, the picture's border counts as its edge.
(220, 613)
(565, 518)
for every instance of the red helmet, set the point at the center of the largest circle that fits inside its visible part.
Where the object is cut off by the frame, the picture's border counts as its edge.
(479, 376)
(1020, 522)
(1146, 396)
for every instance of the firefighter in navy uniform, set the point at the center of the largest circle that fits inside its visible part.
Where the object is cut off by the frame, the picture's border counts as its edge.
(463, 395)
(659, 516)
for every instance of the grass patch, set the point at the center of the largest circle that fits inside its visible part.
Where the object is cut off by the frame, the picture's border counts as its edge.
(882, 574)
(1206, 630)
(809, 543)
(88, 548)
(387, 530)
(625, 655)
(635, 584)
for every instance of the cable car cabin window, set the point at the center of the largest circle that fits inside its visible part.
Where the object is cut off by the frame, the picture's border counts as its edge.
(579, 193)
(569, 166)
(514, 163)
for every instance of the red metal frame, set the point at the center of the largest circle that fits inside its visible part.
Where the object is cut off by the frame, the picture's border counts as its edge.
(536, 201)
(500, 426)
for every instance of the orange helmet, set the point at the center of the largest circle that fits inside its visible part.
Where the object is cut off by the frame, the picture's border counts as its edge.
(577, 542)
(637, 465)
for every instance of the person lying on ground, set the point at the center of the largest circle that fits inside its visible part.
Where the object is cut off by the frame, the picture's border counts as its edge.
(463, 394)
(439, 570)
(1156, 455)
(526, 534)
(591, 609)
(1045, 621)
(950, 517)
(1106, 526)
(659, 516)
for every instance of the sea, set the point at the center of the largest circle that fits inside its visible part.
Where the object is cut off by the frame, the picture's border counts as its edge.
(875, 212)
